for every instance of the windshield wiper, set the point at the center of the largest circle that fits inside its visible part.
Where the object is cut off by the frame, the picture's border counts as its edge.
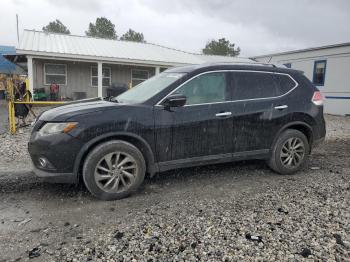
(112, 99)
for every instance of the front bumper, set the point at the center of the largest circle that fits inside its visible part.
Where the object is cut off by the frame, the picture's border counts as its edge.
(66, 178)
(60, 150)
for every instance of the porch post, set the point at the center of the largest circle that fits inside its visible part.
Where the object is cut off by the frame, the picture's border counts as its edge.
(30, 74)
(157, 70)
(99, 82)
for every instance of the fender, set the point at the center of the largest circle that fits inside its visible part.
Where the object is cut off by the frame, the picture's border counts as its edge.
(151, 167)
(294, 123)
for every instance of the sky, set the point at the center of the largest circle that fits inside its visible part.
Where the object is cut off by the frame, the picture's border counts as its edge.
(257, 27)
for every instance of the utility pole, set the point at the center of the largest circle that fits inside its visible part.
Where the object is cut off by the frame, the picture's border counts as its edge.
(17, 28)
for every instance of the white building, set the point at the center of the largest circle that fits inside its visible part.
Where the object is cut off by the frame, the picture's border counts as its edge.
(328, 67)
(85, 67)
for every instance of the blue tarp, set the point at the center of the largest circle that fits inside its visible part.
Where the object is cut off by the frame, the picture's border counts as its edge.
(6, 67)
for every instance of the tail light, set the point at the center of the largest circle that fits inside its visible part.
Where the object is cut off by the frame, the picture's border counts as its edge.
(317, 98)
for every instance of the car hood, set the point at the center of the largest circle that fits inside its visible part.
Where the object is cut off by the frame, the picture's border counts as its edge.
(64, 112)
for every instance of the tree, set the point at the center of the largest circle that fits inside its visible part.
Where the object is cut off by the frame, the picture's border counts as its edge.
(221, 47)
(103, 28)
(134, 36)
(56, 27)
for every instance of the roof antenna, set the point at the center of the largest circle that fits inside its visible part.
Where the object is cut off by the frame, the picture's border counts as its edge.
(17, 29)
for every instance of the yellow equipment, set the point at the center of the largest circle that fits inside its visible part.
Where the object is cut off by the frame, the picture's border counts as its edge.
(11, 106)
(26, 100)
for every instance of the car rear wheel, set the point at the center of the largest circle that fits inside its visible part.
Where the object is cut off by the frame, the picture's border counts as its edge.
(290, 152)
(113, 170)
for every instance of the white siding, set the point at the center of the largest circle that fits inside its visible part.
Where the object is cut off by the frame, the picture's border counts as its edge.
(79, 77)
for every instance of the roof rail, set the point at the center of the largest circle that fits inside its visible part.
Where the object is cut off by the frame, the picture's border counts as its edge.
(247, 63)
(265, 64)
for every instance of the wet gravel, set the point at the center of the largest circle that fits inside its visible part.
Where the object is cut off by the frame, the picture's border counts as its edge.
(232, 212)
(13, 148)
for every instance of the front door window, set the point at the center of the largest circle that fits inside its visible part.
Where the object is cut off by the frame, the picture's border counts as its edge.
(206, 88)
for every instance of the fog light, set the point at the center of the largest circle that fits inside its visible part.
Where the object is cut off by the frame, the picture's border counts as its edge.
(42, 162)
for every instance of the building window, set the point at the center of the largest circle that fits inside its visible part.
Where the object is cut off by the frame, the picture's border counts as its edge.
(162, 69)
(55, 74)
(138, 76)
(106, 76)
(319, 72)
(288, 65)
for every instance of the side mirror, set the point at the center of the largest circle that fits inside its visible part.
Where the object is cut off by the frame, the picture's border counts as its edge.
(177, 100)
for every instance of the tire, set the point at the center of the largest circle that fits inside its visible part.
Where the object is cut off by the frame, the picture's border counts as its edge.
(102, 176)
(287, 159)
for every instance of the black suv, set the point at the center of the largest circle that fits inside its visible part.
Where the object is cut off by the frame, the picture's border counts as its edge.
(186, 116)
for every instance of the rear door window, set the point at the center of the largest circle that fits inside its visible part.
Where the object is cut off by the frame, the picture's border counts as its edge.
(253, 85)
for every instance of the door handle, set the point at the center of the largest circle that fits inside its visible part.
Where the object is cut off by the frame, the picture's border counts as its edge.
(223, 114)
(281, 107)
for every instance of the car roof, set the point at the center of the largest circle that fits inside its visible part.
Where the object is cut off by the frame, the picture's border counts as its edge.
(232, 66)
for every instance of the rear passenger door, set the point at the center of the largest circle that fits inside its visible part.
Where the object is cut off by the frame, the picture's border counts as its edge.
(263, 108)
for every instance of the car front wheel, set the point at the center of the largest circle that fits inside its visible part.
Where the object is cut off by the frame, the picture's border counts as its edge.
(113, 170)
(290, 152)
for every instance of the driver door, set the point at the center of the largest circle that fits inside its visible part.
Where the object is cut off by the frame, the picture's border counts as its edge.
(199, 131)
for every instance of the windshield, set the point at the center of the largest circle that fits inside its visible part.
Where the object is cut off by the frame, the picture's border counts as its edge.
(148, 88)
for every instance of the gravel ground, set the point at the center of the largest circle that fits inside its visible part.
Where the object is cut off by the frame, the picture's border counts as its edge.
(3, 116)
(230, 212)
(13, 148)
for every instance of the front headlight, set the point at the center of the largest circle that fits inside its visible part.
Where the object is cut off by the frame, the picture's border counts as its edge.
(55, 128)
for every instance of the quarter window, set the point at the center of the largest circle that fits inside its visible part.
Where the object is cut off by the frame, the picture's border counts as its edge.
(106, 76)
(285, 83)
(319, 72)
(206, 88)
(55, 74)
(138, 76)
(251, 85)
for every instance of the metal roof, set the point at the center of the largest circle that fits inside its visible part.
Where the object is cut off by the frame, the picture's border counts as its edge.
(38, 43)
(6, 67)
(304, 50)
(7, 50)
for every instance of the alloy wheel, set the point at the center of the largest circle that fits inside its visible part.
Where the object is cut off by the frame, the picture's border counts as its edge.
(115, 172)
(292, 152)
